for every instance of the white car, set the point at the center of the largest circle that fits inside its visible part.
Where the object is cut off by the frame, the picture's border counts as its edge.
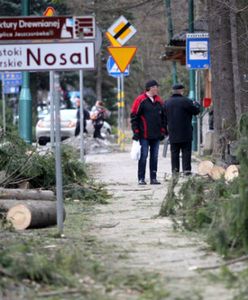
(68, 126)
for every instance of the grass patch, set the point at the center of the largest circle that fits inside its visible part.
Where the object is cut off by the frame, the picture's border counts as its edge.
(233, 280)
(38, 264)
(218, 209)
(20, 162)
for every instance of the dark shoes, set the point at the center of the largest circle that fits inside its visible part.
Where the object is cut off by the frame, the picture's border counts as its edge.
(187, 173)
(142, 182)
(154, 181)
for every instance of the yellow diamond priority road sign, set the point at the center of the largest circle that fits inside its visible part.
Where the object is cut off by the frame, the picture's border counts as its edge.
(112, 40)
(122, 56)
(121, 31)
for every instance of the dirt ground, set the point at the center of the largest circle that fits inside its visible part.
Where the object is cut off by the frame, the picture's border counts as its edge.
(149, 243)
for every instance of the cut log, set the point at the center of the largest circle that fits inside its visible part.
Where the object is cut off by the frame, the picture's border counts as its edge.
(216, 172)
(6, 204)
(24, 185)
(22, 194)
(231, 172)
(33, 214)
(204, 167)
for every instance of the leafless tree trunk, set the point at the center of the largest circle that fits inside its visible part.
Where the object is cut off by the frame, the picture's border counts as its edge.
(222, 74)
(242, 36)
(235, 58)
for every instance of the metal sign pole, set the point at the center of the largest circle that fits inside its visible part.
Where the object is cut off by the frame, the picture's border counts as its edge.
(122, 111)
(197, 57)
(4, 105)
(119, 108)
(59, 185)
(81, 78)
(51, 82)
(198, 96)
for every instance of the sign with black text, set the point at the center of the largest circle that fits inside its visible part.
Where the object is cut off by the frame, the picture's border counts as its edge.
(31, 28)
(47, 56)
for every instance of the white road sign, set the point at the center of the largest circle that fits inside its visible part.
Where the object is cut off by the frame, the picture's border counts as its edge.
(47, 56)
(121, 30)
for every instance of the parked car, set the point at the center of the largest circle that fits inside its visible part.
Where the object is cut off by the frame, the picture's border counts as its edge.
(68, 126)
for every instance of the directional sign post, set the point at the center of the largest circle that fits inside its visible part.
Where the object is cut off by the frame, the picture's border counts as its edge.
(122, 56)
(11, 89)
(197, 51)
(197, 58)
(121, 30)
(113, 69)
(118, 34)
(11, 82)
(77, 53)
(47, 56)
(49, 28)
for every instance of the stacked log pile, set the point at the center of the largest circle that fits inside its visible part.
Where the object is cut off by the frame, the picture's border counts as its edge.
(28, 208)
(207, 168)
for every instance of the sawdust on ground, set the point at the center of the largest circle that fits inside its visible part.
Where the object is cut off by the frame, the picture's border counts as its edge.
(148, 242)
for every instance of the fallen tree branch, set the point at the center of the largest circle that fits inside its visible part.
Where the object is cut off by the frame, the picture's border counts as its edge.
(5, 273)
(227, 263)
(109, 225)
(54, 293)
(137, 190)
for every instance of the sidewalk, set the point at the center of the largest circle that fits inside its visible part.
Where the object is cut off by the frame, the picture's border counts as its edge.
(150, 243)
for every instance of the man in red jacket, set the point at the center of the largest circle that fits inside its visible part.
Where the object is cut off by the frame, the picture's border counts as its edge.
(148, 125)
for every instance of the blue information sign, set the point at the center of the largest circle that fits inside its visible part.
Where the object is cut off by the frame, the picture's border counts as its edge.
(197, 50)
(11, 76)
(11, 82)
(113, 69)
(11, 89)
(15, 82)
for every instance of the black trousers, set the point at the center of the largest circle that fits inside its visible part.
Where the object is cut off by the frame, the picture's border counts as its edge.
(185, 148)
(97, 131)
(77, 130)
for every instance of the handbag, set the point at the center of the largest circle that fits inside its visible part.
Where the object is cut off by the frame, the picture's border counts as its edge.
(135, 150)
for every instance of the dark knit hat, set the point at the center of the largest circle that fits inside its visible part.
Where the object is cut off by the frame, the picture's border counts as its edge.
(151, 83)
(177, 86)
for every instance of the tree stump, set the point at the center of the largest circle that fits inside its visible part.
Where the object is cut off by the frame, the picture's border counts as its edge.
(231, 172)
(204, 167)
(33, 214)
(216, 172)
(6, 204)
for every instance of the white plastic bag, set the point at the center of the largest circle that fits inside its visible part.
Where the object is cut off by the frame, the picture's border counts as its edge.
(165, 148)
(135, 150)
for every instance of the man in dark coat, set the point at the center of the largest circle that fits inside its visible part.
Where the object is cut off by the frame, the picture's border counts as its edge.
(147, 120)
(178, 117)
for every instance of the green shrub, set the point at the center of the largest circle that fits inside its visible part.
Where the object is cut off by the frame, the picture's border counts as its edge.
(218, 208)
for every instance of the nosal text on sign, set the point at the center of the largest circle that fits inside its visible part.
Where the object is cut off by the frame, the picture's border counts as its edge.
(50, 56)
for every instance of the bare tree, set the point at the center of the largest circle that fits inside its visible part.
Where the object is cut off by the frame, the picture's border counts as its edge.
(235, 58)
(222, 74)
(242, 37)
